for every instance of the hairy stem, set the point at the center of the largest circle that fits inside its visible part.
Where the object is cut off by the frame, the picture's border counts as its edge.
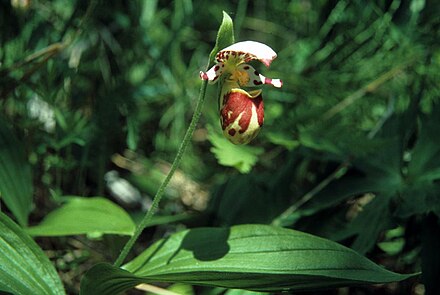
(161, 190)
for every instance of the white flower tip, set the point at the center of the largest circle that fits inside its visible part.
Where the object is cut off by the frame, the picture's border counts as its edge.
(274, 82)
(203, 75)
(277, 83)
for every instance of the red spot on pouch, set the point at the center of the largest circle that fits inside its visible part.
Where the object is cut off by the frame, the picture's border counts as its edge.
(231, 132)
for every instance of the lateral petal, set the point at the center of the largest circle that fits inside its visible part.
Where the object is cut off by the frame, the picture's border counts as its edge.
(213, 73)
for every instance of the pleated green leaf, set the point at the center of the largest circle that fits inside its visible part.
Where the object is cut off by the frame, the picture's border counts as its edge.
(85, 216)
(15, 175)
(251, 257)
(241, 157)
(24, 268)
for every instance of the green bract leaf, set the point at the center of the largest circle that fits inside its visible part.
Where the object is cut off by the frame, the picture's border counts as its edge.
(241, 157)
(225, 36)
(15, 175)
(24, 269)
(85, 216)
(253, 257)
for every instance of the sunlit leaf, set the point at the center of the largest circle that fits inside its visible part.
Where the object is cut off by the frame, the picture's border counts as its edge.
(24, 268)
(241, 157)
(182, 289)
(252, 257)
(85, 216)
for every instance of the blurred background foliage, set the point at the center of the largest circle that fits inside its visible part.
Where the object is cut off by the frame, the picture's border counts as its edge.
(100, 93)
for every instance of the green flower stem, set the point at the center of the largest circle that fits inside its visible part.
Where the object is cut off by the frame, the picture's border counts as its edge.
(161, 190)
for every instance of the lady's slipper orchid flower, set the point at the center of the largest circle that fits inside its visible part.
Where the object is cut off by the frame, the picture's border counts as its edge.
(241, 112)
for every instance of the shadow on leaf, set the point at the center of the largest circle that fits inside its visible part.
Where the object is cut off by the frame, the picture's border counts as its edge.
(205, 245)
